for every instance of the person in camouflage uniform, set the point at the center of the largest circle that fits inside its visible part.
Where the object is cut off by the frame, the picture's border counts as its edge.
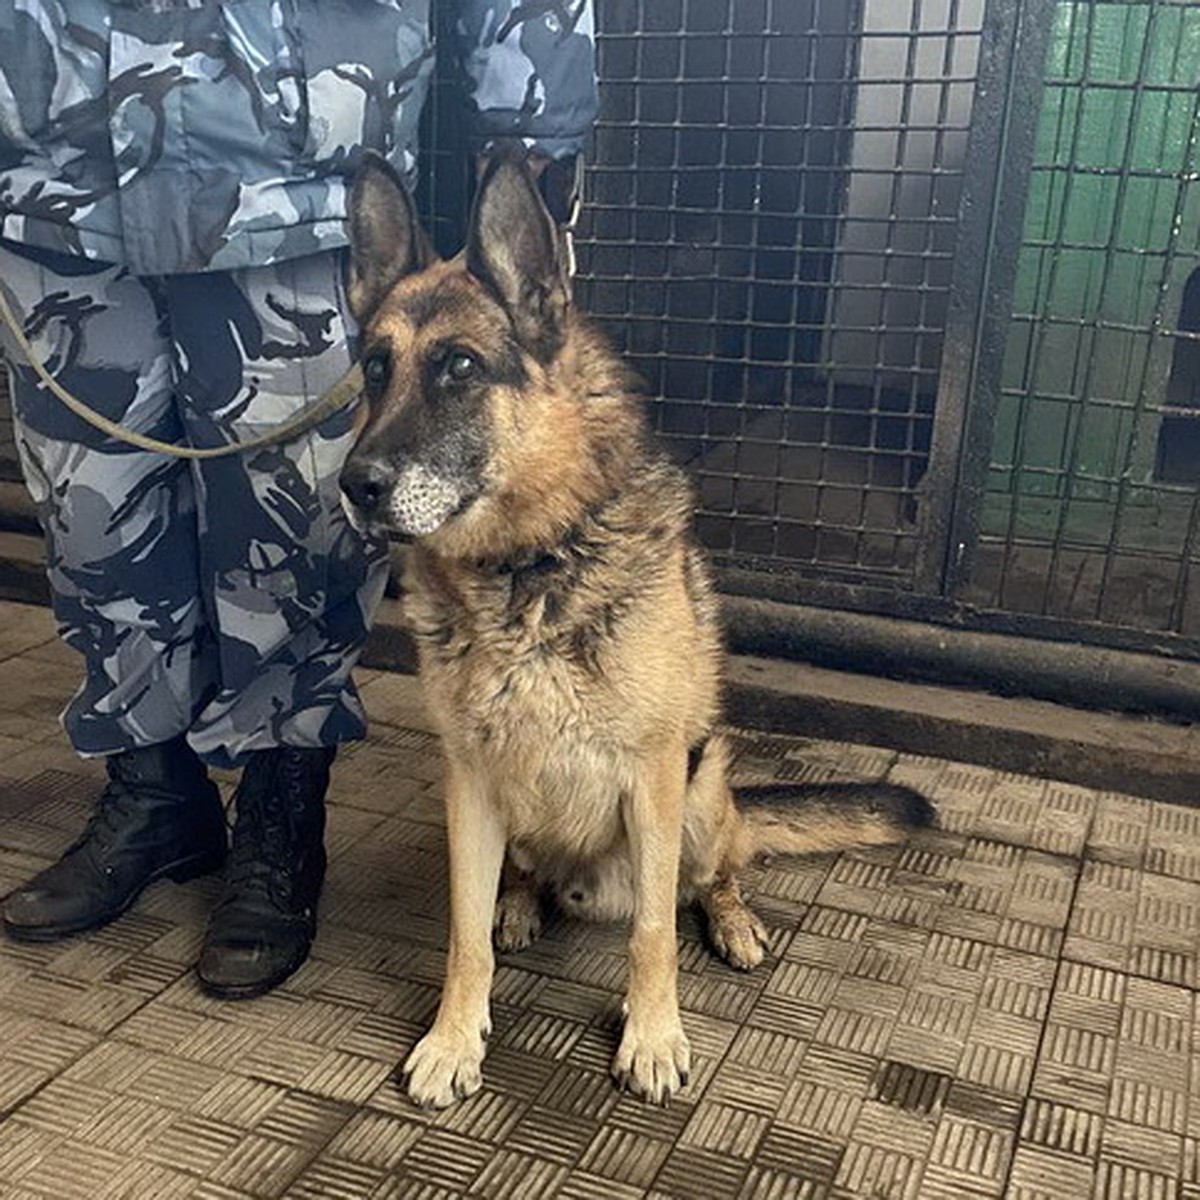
(173, 178)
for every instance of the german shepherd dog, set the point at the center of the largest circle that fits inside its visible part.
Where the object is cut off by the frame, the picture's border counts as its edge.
(569, 644)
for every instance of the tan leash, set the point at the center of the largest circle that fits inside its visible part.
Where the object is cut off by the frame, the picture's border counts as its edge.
(333, 400)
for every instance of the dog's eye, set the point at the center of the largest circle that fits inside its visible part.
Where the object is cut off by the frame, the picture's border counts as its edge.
(375, 369)
(461, 366)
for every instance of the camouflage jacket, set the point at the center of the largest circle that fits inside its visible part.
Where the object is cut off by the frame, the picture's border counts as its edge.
(188, 135)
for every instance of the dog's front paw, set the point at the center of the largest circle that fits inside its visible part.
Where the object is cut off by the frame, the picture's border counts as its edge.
(443, 1067)
(518, 919)
(653, 1059)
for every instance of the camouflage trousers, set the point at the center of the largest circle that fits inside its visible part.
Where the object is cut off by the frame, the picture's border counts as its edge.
(224, 599)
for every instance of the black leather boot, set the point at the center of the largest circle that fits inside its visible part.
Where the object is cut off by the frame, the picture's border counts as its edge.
(159, 815)
(263, 926)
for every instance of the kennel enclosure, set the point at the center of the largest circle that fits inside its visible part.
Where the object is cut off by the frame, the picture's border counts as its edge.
(917, 285)
(914, 286)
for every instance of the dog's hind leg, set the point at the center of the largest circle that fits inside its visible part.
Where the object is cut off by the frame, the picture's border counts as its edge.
(518, 909)
(710, 848)
(737, 935)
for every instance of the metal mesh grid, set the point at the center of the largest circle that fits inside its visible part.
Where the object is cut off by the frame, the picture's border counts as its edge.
(770, 231)
(1091, 510)
(769, 224)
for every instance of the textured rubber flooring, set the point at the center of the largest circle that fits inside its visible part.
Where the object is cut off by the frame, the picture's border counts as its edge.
(1004, 1007)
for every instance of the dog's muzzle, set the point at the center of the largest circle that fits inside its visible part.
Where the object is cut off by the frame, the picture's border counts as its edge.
(411, 500)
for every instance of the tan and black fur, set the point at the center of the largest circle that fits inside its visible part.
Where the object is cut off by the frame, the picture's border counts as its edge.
(570, 650)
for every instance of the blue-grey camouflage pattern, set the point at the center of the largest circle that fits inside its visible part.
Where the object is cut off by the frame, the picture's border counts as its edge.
(173, 182)
(175, 136)
(530, 68)
(225, 599)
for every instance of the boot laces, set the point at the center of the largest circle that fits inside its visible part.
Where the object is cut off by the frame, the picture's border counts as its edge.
(110, 815)
(267, 836)
(263, 848)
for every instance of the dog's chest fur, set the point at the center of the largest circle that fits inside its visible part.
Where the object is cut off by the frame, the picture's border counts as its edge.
(549, 671)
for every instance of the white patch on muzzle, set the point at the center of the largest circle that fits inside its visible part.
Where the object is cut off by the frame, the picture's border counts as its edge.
(421, 501)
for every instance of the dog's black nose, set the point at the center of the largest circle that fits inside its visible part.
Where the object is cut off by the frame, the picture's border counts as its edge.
(365, 483)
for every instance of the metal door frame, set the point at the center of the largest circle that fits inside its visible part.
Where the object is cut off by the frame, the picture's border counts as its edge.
(1000, 152)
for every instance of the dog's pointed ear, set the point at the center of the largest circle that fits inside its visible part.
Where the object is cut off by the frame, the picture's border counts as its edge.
(513, 248)
(386, 239)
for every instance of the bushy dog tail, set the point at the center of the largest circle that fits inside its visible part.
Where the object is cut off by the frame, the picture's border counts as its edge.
(812, 818)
